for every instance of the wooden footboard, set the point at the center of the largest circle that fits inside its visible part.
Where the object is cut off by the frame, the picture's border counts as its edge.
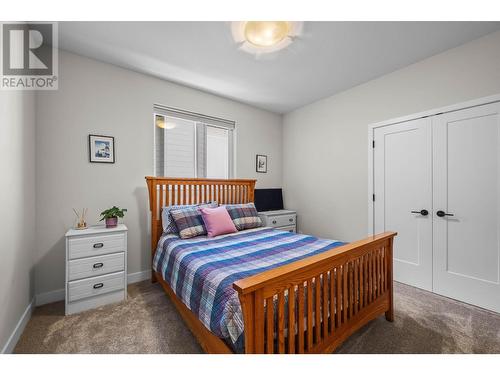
(327, 297)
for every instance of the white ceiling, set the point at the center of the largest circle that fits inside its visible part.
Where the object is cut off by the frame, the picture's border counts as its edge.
(329, 57)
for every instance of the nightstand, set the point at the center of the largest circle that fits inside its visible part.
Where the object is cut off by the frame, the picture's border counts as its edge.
(280, 219)
(96, 267)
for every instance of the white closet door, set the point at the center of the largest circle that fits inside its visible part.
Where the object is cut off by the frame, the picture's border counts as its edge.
(402, 184)
(466, 184)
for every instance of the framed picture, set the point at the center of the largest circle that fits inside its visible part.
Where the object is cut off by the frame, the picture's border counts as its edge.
(101, 149)
(261, 164)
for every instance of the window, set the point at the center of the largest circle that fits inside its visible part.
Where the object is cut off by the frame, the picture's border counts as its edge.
(217, 155)
(192, 145)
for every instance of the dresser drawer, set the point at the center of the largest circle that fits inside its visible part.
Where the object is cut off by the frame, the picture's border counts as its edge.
(95, 286)
(95, 266)
(281, 220)
(96, 245)
(291, 228)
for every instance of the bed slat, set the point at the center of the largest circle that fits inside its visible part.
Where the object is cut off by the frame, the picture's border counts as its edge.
(338, 302)
(379, 265)
(350, 267)
(345, 302)
(384, 270)
(361, 281)
(325, 304)
(332, 301)
(317, 309)
(291, 320)
(309, 314)
(356, 286)
(281, 323)
(269, 325)
(258, 324)
(370, 278)
(300, 317)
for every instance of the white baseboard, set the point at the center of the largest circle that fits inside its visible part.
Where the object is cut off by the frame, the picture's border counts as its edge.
(21, 325)
(58, 295)
(138, 276)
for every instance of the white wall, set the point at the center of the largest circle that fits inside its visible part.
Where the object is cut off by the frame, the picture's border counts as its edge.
(99, 98)
(17, 202)
(325, 143)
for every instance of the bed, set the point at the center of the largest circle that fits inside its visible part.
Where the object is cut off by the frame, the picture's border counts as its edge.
(263, 290)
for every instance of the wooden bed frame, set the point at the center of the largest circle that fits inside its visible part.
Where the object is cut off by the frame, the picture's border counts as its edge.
(355, 283)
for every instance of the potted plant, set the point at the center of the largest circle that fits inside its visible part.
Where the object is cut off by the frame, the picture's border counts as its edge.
(111, 216)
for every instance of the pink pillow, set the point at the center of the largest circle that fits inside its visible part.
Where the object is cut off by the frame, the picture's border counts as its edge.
(217, 221)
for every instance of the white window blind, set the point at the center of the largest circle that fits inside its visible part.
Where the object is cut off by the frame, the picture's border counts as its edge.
(192, 145)
(180, 149)
(217, 154)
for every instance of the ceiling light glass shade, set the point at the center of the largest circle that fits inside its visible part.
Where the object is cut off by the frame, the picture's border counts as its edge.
(263, 37)
(266, 33)
(161, 122)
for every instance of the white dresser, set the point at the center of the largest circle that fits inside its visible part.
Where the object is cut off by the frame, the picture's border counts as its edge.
(280, 219)
(96, 267)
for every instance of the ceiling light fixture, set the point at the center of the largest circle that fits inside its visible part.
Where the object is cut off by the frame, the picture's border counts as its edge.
(266, 33)
(259, 37)
(162, 123)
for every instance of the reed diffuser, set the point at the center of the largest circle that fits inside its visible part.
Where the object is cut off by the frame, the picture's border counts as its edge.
(81, 223)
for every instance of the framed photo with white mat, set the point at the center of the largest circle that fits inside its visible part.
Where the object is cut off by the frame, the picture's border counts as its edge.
(261, 163)
(101, 149)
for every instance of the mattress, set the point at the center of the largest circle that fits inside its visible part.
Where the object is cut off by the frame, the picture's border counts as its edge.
(202, 270)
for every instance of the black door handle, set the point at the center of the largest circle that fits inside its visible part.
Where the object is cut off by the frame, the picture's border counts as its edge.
(443, 214)
(423, 212)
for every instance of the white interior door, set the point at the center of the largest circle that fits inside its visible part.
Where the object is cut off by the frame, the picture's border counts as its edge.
(466, 184)
(403, 187)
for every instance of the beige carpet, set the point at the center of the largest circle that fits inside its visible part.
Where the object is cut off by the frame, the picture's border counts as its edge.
(149, 323)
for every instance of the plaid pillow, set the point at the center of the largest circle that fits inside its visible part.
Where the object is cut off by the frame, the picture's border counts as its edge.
(168, 221)
(189, 222)
(244, 216)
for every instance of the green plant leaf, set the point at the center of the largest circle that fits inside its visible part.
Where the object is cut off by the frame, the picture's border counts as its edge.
(113, 212)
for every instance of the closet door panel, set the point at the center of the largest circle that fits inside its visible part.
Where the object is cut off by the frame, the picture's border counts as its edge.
(466, 185)
(403, 183)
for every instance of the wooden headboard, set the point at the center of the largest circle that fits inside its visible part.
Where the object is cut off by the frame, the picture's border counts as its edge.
(166, 191)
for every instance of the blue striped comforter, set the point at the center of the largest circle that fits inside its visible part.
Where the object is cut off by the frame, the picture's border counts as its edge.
(201, 271)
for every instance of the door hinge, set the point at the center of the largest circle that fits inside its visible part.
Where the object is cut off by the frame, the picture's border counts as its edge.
(373, 197)
(373, 144)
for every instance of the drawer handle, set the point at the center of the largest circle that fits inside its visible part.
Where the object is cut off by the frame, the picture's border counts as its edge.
(274, 221)
(290, 220)
(98, 265)
(98, 245)
(98, 286)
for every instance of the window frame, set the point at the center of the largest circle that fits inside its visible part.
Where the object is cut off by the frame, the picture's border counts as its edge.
(230, 126)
